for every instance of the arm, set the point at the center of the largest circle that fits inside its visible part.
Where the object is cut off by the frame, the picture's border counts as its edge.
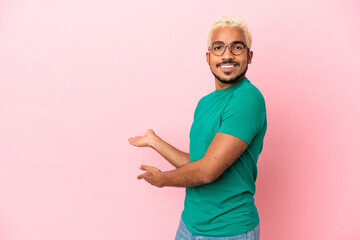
(176, 157)
(222, 153)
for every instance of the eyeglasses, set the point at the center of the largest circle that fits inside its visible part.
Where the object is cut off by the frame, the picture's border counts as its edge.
(236, 48)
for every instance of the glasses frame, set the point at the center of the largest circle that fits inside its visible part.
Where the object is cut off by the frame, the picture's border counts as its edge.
(227, 45)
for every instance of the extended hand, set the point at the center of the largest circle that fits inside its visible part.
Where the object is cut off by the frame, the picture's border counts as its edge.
(152, 175)
(143, 141)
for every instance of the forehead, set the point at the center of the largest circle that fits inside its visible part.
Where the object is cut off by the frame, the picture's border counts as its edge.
(228, 35)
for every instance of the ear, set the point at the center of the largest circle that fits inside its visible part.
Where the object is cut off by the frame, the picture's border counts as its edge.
(250, 56)
(208, 57)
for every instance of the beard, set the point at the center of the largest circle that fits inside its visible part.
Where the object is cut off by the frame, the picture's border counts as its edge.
(231, 80)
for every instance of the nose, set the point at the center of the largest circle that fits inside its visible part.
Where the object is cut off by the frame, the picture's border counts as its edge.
(227, 54)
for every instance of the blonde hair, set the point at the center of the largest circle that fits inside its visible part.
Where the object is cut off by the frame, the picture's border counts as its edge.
(231, 22)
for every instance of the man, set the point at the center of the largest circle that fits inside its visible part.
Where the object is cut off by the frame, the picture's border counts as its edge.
(226, 139)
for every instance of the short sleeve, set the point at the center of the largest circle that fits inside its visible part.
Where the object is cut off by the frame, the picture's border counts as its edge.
(245, 115)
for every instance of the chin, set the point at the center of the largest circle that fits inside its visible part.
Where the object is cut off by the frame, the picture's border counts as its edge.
(228, 78)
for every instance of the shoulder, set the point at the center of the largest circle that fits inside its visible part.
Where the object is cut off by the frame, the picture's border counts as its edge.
(248, 94)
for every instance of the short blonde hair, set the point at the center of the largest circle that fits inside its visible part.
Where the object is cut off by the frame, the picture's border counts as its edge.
(231, 22)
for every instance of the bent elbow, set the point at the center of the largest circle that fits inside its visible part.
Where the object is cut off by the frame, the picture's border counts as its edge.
(208, 178)
(208, 174)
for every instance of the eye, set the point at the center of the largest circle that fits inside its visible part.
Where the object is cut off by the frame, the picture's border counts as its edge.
(238, 47)
(218, 47)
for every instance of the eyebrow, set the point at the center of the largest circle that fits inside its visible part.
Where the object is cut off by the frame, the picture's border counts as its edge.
(230, 43)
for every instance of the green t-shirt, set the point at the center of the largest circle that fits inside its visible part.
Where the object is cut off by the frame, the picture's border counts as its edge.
(226, 206)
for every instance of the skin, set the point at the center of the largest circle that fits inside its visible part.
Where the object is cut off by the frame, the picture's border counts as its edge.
(223, 150)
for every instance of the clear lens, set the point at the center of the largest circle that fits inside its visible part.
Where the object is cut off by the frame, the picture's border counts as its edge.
(237, 48)
(218, 48)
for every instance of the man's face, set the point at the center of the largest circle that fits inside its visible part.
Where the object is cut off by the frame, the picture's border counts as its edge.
(229, 68)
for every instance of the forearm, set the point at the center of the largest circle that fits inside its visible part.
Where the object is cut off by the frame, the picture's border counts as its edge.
(192, 174)
(176, 157)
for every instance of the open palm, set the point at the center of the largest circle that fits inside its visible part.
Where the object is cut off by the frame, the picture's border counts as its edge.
(142, 141)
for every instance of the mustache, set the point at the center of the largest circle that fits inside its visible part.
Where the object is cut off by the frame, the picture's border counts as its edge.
(227, 62)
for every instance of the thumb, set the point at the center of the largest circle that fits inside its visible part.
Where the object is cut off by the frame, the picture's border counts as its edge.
(144, 167)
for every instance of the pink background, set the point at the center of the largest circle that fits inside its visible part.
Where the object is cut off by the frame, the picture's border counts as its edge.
(77, 78)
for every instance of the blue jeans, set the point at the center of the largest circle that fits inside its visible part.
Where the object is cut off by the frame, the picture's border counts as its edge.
(183, 233)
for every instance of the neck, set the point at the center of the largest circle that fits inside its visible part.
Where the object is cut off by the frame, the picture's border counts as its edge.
(220, 85)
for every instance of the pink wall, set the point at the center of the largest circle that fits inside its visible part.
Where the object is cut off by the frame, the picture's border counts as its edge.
(77, 78)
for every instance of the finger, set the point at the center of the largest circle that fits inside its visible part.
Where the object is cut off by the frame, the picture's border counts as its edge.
(138, 141)
(144, 167)
(132, 140)
(142, 176)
